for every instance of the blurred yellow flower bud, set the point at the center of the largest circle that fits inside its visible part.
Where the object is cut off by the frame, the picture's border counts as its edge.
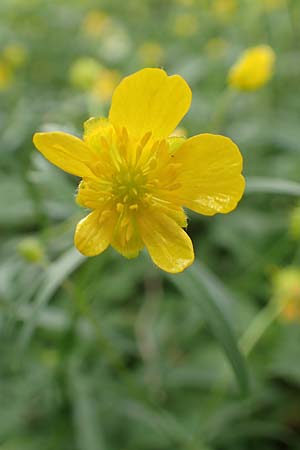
(96, 23)
(224, 9)
(185, 25)
(15, 54)
(84, 72)
(271, 5)
(151, 54)
(253, 69)
(286, 292)
(31, 250)
(106, 84)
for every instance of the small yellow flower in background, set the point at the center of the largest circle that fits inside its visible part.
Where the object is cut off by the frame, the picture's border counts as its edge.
(84, 72)
(224, 9)
(185, 25)
(271, 5)
(151, 53)
(31, 249)
(15, 54)
(136, 179)
(253, 69)
(6, 75)
(286, 292)
(105, 84)
(96, 23)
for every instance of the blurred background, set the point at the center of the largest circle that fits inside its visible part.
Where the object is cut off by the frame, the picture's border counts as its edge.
(107, 353)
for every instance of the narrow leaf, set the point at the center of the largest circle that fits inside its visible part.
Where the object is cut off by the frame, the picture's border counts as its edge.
(201, 286)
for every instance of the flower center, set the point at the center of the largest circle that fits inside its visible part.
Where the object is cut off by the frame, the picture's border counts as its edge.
(129, 188)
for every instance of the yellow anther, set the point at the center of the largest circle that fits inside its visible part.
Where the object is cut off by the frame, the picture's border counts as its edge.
(145, 138)
(120, 207)
(133, 207)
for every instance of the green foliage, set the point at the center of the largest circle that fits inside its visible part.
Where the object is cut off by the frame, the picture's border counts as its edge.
(108, 354)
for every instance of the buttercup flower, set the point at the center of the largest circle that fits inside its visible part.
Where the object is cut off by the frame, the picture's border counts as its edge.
(286, 292)
(136, 179)
(253, 70)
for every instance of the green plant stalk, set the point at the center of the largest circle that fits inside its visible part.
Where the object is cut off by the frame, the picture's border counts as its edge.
(262, 321)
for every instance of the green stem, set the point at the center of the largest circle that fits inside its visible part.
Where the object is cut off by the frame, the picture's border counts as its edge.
(258, 326)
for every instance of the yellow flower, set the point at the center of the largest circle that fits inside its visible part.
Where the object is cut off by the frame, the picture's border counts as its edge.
(224, 9)
(286, 287)
(273, 4)
(15, 54)
(32, 250)
(96, 23)
(151, 53)
(105, 84)
(136, 179)
(84, 72)
(185, 25)
(253, 70)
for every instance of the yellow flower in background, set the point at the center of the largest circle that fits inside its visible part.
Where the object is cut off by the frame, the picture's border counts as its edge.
(6, 75)
(84, 72)
(105, 84)
(31, 249)
(224, 9)
(151, 53)
(96, 23)
(136, 179)
(89, 75)
(286, 292)
(271, 5)
(185, 25)
(15, 54)
(253, 70)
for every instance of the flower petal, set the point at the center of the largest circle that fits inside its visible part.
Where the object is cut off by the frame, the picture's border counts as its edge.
(94, 129)
(168, 244)
(65, 151)
(210, 174)
(93, 233)
(150, 100)
(126, 239)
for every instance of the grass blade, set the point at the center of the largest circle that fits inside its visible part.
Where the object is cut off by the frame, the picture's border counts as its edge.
(198, 284)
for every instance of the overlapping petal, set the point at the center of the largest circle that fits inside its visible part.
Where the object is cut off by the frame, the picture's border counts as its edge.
(150, 100)
(94, 129)
(94, 233)
(167, 243)
(126, 239)
(65, 151)
(210, 174)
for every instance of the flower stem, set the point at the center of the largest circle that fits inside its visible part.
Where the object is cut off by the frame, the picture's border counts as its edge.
(258, 326)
